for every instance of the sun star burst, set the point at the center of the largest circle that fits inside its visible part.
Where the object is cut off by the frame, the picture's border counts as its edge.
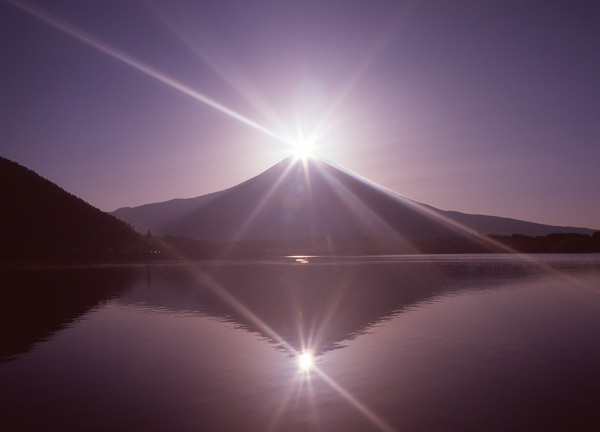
(303, 149)
(305, 360)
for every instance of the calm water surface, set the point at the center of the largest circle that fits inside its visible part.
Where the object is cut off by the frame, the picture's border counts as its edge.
(414, 343)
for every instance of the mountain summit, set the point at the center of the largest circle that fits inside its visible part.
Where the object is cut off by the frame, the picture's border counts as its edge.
(314, 198)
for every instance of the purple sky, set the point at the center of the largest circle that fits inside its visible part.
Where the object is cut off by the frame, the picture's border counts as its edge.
(482, 107)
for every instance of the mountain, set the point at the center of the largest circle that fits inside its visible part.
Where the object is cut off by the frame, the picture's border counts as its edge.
(39, 219)
(314, 198)
(343, 300)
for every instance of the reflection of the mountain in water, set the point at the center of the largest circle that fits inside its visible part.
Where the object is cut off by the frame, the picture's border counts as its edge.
(318, 306)
(35, 304)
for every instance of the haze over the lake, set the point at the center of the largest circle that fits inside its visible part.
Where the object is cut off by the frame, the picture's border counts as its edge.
(481, 107)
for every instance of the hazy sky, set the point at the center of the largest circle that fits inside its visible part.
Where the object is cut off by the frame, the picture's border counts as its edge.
(488, 107)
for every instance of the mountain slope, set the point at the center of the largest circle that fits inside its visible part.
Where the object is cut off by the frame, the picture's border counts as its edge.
(293, 199)
(38, 218)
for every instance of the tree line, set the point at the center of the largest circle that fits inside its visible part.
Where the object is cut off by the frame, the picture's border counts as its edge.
(185, 247)
(150, 247)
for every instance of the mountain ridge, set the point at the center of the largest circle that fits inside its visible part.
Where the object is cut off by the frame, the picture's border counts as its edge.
(296, 198)
(40, 219)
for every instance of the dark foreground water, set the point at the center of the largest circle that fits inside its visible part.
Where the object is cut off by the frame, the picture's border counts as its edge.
(429, 343)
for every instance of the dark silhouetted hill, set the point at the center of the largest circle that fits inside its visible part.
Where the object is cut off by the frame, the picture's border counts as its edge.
(34, 304)
(316, 199)
(38, 219)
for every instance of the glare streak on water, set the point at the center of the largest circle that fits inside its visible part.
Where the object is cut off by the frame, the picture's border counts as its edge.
(446, 343)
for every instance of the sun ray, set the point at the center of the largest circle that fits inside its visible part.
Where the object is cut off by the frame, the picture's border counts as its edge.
(294, 388)
(354, 402)
(356, 206)
(442, 220)
(230, 299)
(149, 71)
(318, 329)
(242, 309)
(302, 376)
(354, 203)
(257, 208)
(381, 42)
(223, 67)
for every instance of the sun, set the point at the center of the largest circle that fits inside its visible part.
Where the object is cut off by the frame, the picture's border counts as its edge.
(305, 361)
(302, 148)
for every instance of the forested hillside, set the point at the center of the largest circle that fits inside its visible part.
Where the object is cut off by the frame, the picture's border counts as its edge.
(39, 219)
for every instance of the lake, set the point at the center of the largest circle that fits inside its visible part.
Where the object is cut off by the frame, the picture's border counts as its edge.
(407, 343)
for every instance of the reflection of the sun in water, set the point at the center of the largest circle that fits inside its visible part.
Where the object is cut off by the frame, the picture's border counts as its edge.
(305, 361)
